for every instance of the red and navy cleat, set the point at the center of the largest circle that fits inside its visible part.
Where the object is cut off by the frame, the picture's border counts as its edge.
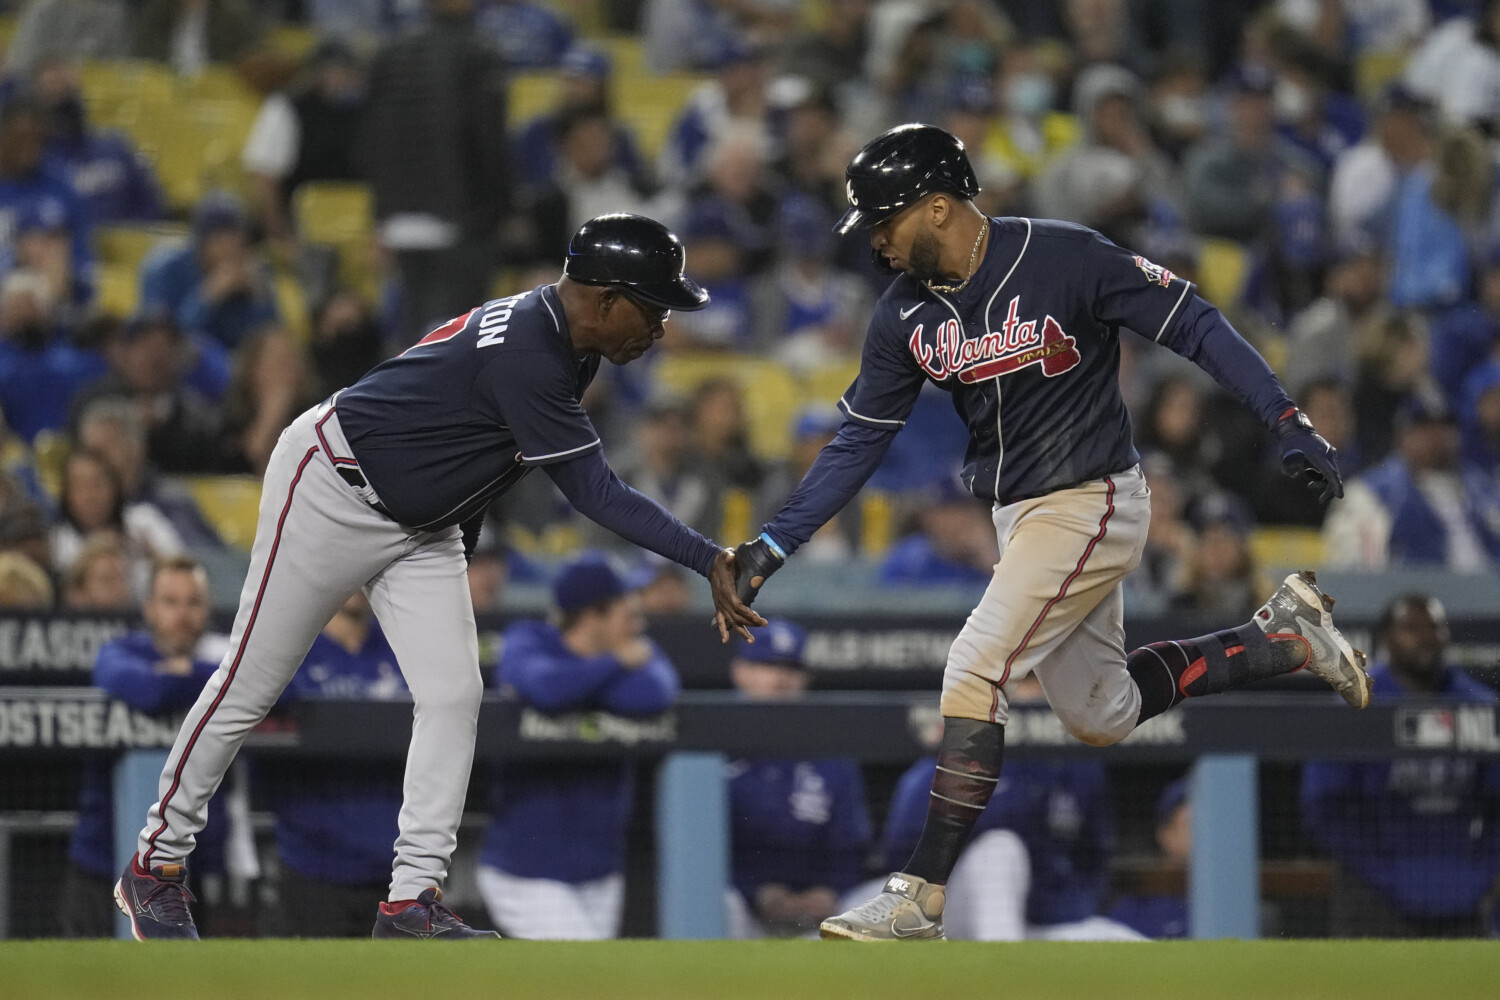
(156, 902)
(423, 917)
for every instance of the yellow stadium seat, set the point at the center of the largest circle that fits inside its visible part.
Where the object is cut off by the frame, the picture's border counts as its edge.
(217, 82)
(117, 289)
(342, 216)
(1223, 266)
(119, 92)
(627, 54)
(230, 504)
(51, 453)
(768, 409)
(1287, 548)
(292, 305)
(7, 31)
(532, 94)
(827, 385)
(292, 40)
(129, 245)
(650, 104)
(1373, 71)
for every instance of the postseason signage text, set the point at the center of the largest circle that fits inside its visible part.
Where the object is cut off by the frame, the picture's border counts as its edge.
(77, 719)
(54, 649)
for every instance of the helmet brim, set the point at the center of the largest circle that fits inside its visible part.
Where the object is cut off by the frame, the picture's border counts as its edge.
(682, 294)
(853, 219)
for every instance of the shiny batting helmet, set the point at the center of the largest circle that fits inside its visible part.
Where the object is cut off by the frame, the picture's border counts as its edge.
(637, 254)
(901, 167)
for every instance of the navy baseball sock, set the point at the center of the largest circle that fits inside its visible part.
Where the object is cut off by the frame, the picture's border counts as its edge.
(1168, 672)
(968, 768)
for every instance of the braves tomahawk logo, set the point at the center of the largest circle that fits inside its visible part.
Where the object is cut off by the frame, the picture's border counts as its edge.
(1154, 273)
(1014, 346)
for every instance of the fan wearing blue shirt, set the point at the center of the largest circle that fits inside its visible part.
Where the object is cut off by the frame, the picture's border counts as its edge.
(552, 863)
(30, 183)
(1417, 840)
(159, 671)
(799, 829)
(336, 823)
(1160, 914)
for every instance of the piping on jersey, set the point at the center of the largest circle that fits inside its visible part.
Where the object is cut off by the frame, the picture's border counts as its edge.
(1109, 510)
(999, 431)
(559, 454)
(1186, 287)
(844, 402)
(550, 312)
(265, 578)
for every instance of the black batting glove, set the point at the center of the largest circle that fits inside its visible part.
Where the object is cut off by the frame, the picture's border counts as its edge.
(1307, 456)
(754, 562)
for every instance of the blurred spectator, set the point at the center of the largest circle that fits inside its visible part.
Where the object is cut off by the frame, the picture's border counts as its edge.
(734, 100)
(1368, 27)
(552, 863)
(346, 341)
(589, 176)
(489, 572)
(1419, 507)
(217, 283)
(810, 314)
(40, 372)
(664, 588)
(1037, 862)
(305, 134)
(798, 829)
(720, 441)
(1391, 366)
(188, 35)
(99, 579)
(114, 428)
(1436, 215)
(697, 34)
(584, 82)
(1174, 425)
(25, 530)
(1418, 852)
(1329, 405)
(1170, 541)
(717, 260)
(268, 388)
(114, 182)
(147, 356)
(1479, 418)
(1463, 336)
(1457, 67)
(363, 23)
(1233, 182)
(1029, 132)
(438, 94)
(41, 243)
(336, 823)
(1365, 176)
(815, 146)
(970, 115)
(954, 544)
(530, 36)
(1220, 578)
(659, 465)
(948, 43)
(1179, 116)
(1100, 31)
(92, 500)
(67, 29)
(24, 586)
(1161, 915)
(834, 56)
(32, 187)
(1108, 180)
(160, 671)
(1322, 336)
(1311, 114)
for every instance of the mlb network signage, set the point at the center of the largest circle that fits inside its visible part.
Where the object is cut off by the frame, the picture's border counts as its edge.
(1460, 728)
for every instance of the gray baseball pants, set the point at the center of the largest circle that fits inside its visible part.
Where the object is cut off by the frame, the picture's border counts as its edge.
(317, 540)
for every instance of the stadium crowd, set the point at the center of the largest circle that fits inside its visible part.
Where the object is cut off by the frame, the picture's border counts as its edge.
(1326, 170)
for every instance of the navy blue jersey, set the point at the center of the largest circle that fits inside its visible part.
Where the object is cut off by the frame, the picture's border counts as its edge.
(1029, 350)
(800, 823)
(449, 425)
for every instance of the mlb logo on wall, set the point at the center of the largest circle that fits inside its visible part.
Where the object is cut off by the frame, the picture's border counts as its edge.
(1154, 272)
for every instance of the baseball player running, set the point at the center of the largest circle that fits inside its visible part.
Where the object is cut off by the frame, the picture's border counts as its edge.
(382, 488)
(1019, 319)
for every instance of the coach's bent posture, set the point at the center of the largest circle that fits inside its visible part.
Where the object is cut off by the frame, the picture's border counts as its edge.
(1019, 319)
(382, 488)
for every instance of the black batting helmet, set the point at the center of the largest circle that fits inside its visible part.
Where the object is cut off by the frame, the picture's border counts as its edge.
(899, 168)
(635, 253)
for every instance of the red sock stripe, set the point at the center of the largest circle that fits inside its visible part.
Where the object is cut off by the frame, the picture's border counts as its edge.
(239, 653)
(1109, 510)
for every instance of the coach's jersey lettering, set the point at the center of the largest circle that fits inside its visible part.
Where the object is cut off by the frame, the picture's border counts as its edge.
(496, 320)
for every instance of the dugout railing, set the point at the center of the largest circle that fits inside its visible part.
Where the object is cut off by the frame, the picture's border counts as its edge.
(1226, 740)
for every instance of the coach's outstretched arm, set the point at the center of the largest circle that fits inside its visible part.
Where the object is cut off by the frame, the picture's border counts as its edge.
(594, 490)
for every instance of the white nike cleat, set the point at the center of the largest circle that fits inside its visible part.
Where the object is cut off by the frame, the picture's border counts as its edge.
(908, 909)
(1299, 608)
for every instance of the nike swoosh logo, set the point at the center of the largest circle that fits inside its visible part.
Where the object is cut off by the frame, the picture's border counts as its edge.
(903, 934)
(907, 312)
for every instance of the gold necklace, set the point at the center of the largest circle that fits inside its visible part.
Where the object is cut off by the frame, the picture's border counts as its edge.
(985, 228)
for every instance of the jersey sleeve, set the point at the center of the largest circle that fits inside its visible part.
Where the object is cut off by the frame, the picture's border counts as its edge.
(885, 390)
(536, 397)
(1128, 290)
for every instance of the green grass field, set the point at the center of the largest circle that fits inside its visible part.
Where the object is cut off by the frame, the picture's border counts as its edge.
(776, 970)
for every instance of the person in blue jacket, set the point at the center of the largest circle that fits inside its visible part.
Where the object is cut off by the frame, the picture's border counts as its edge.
(1417, 840)
(336, 822)
(553, 858)
(799, 829)
(1163, 915)
(159, 670)
(1038, 863)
